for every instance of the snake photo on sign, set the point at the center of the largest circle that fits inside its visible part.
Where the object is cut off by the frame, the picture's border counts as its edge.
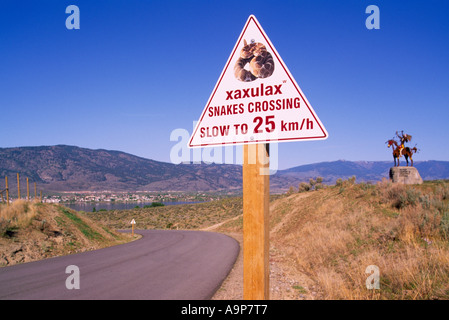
(254, 62)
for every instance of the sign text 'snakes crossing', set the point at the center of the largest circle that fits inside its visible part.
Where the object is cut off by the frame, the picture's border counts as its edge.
(256, 99)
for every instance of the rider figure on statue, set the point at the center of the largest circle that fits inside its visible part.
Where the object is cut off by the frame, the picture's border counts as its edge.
(403, 137)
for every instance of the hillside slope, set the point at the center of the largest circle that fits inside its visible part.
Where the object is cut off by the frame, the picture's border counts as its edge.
(32, 231)
(70, 168)
(325, 240)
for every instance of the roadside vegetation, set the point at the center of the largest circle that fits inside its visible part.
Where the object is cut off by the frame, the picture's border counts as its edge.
(334, 234)
(32, 231)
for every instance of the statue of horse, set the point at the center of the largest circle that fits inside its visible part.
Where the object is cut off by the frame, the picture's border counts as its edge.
(400, 150)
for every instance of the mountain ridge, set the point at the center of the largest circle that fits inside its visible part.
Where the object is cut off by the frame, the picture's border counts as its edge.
(367, 171)
(72, 168)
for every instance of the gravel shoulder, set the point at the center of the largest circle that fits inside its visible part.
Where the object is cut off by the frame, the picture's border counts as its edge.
(285, 282)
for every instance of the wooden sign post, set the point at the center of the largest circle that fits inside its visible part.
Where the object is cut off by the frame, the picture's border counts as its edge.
(253, 106)
(133, 222)
(256, 194)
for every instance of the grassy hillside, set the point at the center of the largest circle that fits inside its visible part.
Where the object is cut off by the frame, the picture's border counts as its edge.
(32, 231)
(334, 234)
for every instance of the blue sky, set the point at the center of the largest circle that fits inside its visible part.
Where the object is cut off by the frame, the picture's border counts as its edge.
(137, 70)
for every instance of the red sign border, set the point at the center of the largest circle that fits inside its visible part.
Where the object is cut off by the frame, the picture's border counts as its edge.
(273, 50)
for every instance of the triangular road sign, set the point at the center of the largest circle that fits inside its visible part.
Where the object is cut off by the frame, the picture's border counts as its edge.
(133, 221)
(256, 99)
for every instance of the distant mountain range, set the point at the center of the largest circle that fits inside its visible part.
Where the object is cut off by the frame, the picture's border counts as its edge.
(70, 168)
(367, 171)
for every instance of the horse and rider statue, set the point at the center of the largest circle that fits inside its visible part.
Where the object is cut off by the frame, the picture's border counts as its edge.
(399, 148)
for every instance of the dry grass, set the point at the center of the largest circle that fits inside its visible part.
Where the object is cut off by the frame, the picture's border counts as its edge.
(18, 214)
(334, 234)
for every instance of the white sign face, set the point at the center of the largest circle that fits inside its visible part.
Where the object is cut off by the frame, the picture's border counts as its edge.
(133, 221)
(256, 99)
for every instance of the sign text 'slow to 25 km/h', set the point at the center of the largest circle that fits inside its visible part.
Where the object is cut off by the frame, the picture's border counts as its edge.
(256, 99)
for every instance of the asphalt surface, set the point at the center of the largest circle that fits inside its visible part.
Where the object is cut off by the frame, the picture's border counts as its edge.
(162, 265)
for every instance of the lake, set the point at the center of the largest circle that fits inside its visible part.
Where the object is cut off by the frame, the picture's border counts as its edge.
(88, 206)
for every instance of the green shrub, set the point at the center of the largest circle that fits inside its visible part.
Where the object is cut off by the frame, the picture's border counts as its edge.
(304, 186)
(312, 183)
(157, 204)
(351, 180)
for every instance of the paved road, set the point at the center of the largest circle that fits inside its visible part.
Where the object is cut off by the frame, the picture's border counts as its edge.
(169, 265)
